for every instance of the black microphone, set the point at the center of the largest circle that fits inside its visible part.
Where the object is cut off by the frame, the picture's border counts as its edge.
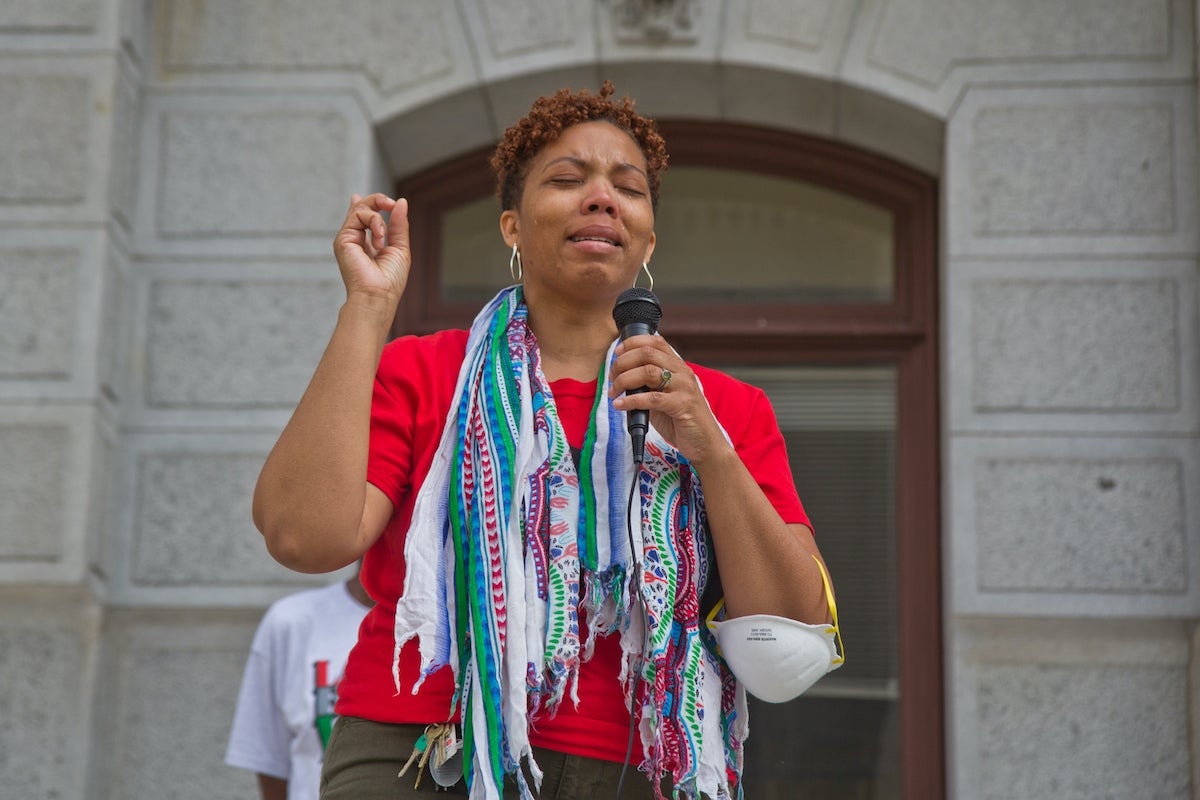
(637, 312)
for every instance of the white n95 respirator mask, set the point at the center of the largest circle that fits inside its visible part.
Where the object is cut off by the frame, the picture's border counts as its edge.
(778, 659)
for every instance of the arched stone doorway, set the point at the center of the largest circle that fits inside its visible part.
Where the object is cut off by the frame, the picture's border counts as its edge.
(816, 279)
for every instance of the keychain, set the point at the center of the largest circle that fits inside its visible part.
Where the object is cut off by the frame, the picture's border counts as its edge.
(440, 748)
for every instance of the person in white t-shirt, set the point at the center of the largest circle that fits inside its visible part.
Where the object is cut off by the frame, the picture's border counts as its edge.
(285, 707)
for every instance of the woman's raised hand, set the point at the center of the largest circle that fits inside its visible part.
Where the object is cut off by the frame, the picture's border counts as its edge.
(372, 252)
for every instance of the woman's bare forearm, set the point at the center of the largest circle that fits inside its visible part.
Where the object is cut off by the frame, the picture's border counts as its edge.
(310, 496)
(766, 565)
(311, 499)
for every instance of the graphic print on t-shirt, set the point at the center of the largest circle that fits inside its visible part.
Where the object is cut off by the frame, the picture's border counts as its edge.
(324, 701)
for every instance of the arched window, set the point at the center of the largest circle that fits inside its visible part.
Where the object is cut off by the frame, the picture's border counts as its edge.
(808, 268)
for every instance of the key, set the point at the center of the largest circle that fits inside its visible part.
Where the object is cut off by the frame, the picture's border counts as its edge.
(432, 739)
(418, 751)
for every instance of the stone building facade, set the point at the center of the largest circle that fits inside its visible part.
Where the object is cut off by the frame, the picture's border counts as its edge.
(171, 172)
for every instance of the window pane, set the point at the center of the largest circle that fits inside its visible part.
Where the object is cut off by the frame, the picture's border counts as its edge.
(723, 236)
(730, 236)
(474, 259)
(840, 739)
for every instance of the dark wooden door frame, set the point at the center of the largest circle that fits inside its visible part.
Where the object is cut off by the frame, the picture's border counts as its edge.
(903, 332)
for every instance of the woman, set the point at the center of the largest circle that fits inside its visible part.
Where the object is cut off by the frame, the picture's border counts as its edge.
(482, 475)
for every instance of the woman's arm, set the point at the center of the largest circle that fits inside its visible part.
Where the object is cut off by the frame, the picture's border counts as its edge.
(272, 788)
(312, 502)
(767, 566)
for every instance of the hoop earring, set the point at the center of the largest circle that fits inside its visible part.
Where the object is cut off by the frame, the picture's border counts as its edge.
(514, 264)
(646, 269)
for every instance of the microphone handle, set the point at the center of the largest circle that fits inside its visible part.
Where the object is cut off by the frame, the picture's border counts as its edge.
(638, 419)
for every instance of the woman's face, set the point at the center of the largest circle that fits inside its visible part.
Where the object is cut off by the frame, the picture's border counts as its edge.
(584, 222)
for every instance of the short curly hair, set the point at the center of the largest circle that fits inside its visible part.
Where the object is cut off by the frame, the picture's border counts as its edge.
(550, 116)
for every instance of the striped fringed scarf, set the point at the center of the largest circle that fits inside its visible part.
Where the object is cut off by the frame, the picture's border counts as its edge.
(511, 545)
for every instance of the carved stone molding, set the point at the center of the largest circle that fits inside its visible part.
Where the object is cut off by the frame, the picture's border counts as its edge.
(655, 21)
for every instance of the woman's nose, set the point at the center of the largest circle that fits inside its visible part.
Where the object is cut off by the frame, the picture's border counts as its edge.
(600, 197)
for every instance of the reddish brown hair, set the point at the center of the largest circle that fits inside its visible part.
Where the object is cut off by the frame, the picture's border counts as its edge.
(551, 115)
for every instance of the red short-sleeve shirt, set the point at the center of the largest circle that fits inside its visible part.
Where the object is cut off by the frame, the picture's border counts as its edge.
(414, 389)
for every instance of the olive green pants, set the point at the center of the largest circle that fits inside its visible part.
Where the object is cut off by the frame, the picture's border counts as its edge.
(364, 757)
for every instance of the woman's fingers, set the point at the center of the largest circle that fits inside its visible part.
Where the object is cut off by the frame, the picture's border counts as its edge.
(397, 233)
(372, 246)
(366, 215)
(641, 362)
(654, 378)
(365, 224)
(673, 396)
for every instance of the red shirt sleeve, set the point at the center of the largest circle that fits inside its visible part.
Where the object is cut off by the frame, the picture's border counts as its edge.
(413, 388)
(747, 416)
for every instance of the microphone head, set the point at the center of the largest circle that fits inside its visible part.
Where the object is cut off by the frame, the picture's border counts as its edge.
(637, 305)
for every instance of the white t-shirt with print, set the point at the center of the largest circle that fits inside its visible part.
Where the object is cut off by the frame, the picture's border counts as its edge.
(302, 637)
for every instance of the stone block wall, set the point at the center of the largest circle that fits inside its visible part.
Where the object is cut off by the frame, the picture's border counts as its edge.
(59, 69)
(172, 171)
(1071, 410)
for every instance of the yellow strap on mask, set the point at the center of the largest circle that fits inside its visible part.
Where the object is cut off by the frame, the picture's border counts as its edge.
(711, 619)
(836, 631)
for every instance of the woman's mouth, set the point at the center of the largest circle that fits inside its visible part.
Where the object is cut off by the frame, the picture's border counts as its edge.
(605, 240)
